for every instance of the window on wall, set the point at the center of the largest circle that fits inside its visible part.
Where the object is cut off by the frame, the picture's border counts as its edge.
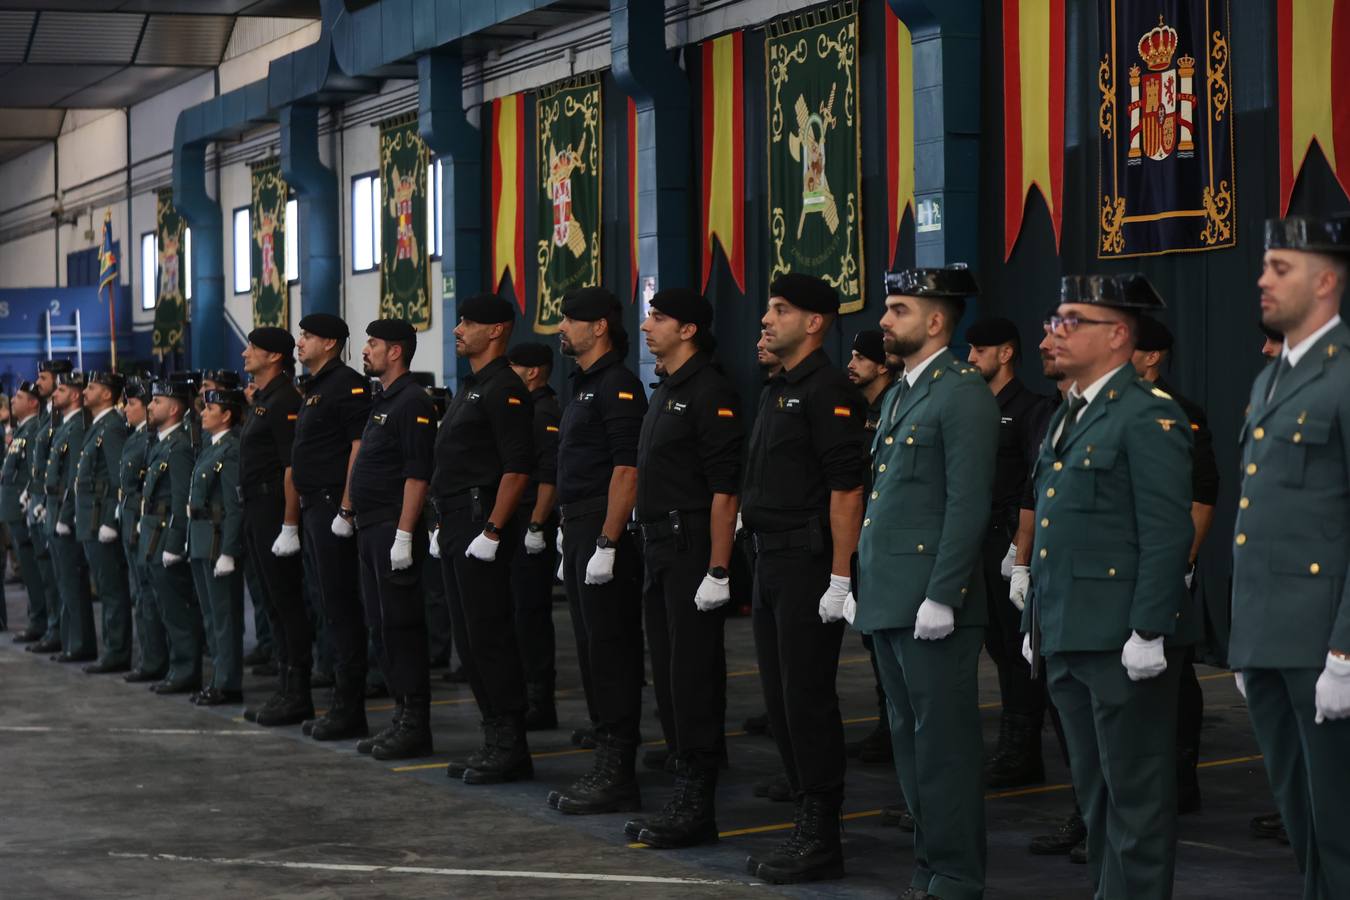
(365, 222)
(434, 208)
(243, 251)
(292, 241)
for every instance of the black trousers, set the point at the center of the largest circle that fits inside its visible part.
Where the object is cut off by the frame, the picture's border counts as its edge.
(1003, 635)
(1190, 708)
(482, 612)
(689, 663)
(608, 621)
(798, 660)
(292, 636)
(394, 607)
(532, 589)
(333, 560)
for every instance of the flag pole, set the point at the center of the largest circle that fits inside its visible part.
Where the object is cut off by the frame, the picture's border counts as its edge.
(110, 282)
(112, 329)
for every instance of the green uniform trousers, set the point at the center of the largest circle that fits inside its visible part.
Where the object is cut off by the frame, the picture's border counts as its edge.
(78, 637)
(933, 705)
(22, 541)
(150, 636)
(1309, 769)
(182, 620)
(222, 602)
(109, 568)
(1122, 755)
(47, 572)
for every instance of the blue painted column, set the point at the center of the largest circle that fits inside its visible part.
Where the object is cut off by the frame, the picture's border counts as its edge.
(207, 350)
(316, 191)
(444, 125)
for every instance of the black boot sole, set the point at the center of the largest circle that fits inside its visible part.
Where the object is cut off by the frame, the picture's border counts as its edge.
(706, 835)
(522, 771)
(354, 731)
(830, 871)
(388, 753)
(570, 807)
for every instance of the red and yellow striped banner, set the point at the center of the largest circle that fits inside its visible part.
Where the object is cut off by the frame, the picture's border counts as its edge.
(632, 199)
(1033, 111)
(1314, 63)
(508, 194)
(724, 154)
(899, 128)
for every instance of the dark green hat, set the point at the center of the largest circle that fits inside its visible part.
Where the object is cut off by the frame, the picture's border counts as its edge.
(1314, 235)
(955, 281)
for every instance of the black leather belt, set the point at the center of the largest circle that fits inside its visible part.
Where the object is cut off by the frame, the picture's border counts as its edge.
(331, 496)
(478, 500)
(581, 508)
(809, 537)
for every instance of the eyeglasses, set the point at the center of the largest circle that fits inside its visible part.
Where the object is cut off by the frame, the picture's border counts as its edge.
(1070, 323)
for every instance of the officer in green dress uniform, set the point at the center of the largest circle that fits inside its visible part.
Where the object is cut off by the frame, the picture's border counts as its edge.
(921, 593)
(96, 519)
(1113, 531)
(214, 543)
(35, 500)
(162, 540)
(149, 626)
(14, 476)
(78, 640)
(1291, 547)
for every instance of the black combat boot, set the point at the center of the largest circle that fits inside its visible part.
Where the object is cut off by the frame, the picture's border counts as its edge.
(458, 766)
(612, 785)
(690, 817)
(347, 717)
(1000, 749)
(272, 703)
(366, 745)
(1021, 763)
(296, 704)
(540, 714)
(507, 757)
(1064, 838)
(813, 853)
(413, 737)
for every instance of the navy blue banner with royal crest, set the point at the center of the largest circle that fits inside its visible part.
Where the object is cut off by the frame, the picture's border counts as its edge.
(1166, 128)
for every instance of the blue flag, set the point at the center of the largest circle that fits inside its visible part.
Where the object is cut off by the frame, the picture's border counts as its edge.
(107, 259)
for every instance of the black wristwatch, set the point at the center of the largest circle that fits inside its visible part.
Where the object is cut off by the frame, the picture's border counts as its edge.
(489, 528)
(604, 543)
(718, 571)
(1148, 635)
(346, 512)
(534, 528)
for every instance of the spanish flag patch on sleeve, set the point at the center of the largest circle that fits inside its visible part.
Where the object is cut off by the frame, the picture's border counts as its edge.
(423, 420)
(551, 428)
(625, 395)
(725, 413)
(292, 416)
(358, 390)
(512, 401)
(843, 412)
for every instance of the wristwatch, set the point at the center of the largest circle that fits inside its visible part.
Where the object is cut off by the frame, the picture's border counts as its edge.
(534, 528)
(1148, 635)
(490, 528)
(604, 543)
(346, 512)
(718, 571)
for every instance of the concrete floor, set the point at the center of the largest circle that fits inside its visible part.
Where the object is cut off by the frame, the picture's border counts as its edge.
(112, 792)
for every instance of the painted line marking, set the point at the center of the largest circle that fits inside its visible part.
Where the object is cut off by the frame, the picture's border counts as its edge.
(1204, 846)
(421, 870)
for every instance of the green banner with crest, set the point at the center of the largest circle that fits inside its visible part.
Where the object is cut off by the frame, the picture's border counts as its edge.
(271, 293)
(171, 265)
(405, 267)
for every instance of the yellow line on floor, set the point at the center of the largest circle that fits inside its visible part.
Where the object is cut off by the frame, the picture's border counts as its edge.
(1229, 762)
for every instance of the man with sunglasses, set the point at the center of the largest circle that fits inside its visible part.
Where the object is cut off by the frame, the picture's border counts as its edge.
(1113, 532)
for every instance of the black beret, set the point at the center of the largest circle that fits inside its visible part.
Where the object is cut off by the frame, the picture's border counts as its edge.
(325, 325)
(955, 281)
(806, 292)
(531, 354)
(425, 379)
(487, 309)
(226, 378)
(272, 339)
(868, 343)
(689, 307)
(589, 304)
(55, 366)
(177, 390)
(29, 388)
(71, 379)
(1314, 235)
(112, 380)
(1153, 335)
(190, 378)
(992, 331)
(225, 397)
(391, 330)
(136, 389)
(1270, 333)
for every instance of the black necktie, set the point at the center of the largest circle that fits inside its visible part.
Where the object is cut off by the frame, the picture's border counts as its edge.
(1076, 405)
(1281, 370)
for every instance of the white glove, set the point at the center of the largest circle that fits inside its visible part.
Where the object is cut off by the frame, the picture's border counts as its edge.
(341, 527)
(535, 543)
(434, 544)
(1026, 650)
(224, 566)
(600, 569)
(1241, 684)
(1190, 577)
(740, 524)
(934, 621)
(831, 608)
(170, 559)
(482, 548)
(288, 542)
(850, 608)
(712, 593)
(106, 534)
(1143, 659)
(39, 513)
(1333, 690)
(62, 529)
(558, 542)
(1005, 568)
(1020, 584)
(400, 554)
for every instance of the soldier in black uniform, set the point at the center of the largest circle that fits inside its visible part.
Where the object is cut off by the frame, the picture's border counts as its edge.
(440, 642)
(532, 571)
(388, 487)
(272, 520)
(597, 487)
(1151, 352)
(688, 477)
(802, 503)
(996, 350)
(484, 457)
(327, 439)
